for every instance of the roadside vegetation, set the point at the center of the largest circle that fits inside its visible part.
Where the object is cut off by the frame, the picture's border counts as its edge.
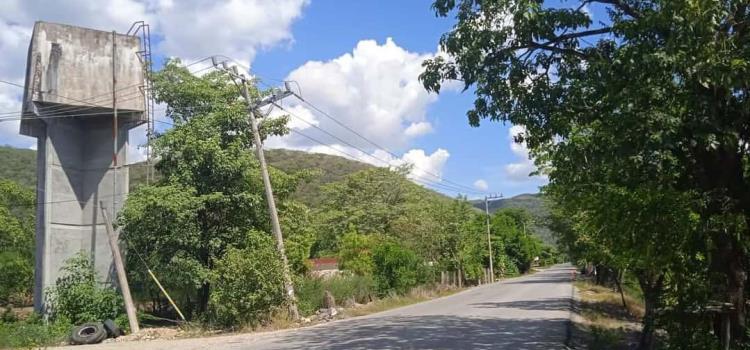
(202, 228)
(637, 113)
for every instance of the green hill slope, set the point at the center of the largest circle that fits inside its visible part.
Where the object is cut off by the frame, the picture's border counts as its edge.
(19, 165)
(534, 203)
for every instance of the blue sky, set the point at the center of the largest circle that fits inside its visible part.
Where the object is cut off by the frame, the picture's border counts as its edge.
(356, 60)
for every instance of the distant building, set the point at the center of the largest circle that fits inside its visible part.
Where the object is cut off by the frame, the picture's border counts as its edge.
(325, 267)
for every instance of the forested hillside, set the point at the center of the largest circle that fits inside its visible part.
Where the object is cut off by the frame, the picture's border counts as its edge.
(534, 203)
(18, 165)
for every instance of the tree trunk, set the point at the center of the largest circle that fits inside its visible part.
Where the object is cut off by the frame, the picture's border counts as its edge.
(730, 258)
(618, 281)
(651, 284)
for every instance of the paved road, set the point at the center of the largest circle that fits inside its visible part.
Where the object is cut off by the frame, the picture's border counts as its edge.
(529, 312)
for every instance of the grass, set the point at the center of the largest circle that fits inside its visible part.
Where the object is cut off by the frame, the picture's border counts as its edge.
(603, 322)
(31, 332)
(416, 295)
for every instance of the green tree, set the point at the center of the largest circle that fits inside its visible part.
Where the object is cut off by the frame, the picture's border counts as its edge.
(652, 98)
(512, 229)
(16, 242)
(397, 269)
(247, 283)
(460, 236)
(210, 193)
(355, 253)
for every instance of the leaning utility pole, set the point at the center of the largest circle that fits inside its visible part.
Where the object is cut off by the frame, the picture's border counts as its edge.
(252, 108)
(489, 239)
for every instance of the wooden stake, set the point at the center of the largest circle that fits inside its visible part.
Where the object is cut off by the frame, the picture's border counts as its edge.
(121, 277)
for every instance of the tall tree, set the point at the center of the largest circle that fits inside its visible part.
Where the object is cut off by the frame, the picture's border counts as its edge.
(654, 93)
(210, 193)
(16, 242)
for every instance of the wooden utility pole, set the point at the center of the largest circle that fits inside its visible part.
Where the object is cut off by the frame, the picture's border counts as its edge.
(275, 225)
(121, 277)
(252, 109)
(489, 236)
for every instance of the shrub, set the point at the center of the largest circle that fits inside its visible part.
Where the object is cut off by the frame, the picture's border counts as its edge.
(355, 253)
(79, 297)
(397, 269)
(16, 278)
(311, 290)
(247, 283)
(33, 332)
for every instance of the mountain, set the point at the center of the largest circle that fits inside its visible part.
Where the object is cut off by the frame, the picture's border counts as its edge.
(19, 165)
(534, 203)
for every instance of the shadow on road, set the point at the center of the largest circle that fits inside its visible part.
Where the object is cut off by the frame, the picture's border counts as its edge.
(558, 278)
(433, 332)
(557, 304)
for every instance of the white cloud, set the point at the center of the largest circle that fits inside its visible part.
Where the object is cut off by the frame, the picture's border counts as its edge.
(481, 185)
(418, 129)
(237, 28)
(374, 89)
(520, 170)
(426, 167)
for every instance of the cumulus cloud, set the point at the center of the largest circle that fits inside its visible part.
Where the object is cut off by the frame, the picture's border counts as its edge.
(418, 129)
(481, 185)
(374, 89)
(237, 28)
(520, 170)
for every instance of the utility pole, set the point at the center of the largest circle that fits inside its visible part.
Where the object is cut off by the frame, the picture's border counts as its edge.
(489, 239)
(122, 278)
(252, 109)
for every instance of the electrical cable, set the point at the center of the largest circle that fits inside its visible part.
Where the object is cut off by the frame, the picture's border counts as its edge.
(386, 162)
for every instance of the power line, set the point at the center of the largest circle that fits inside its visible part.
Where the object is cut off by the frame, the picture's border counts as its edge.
(386, 162)
(440, 178)
(89, 99)
(469, 189)
(355, 157)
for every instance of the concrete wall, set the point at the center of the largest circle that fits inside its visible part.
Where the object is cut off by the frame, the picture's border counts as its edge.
(68, 108)
(70, 68)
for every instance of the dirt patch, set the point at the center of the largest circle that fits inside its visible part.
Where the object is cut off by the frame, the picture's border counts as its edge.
(148, 334)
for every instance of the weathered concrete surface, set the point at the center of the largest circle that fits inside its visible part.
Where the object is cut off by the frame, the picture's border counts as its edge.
(68, 108)
(529, 312)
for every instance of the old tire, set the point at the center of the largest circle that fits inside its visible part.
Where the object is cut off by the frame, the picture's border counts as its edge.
(112, 330)
(88, 333)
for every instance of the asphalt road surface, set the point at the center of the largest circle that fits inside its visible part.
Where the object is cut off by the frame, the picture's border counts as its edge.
(530, 312)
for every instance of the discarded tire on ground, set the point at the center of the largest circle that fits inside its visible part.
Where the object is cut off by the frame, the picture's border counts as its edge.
(89, 333)
(112, 330)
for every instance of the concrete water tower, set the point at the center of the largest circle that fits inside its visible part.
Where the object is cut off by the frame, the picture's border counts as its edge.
(83, 93)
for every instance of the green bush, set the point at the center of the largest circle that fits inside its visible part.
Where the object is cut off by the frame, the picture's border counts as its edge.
(311, 291)
(355, 253)
(16, 278)
(247, 283)
(397, 269)
(33, 333)
(79, 297)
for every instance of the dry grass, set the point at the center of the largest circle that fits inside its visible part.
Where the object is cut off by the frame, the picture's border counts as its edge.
(604, 323)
